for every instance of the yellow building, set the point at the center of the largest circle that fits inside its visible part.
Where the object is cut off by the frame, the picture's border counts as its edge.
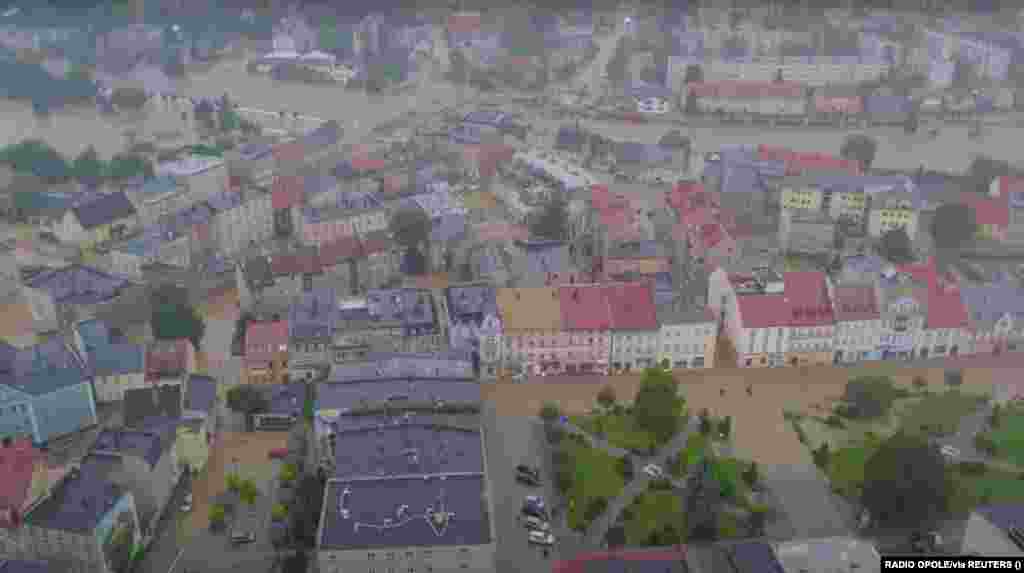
(848, 205)
(892, 210)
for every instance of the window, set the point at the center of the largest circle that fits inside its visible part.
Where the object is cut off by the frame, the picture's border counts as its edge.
(371, 556)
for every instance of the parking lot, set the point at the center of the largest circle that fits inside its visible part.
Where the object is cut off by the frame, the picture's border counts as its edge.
(514, 440)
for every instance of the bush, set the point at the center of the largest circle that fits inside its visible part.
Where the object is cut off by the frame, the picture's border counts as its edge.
(595, 508)
(920, 382)
(972, 468)
(234, 483)
(751, 475)
(661, 484)
(279, 512)
(550, 412)
(217, 514)
(821, 456)
(800, 435)
(563, 481)
(289, 473)
(625, 468)
(628, 514)
(985, 444)
(606, 397)
(834, 421)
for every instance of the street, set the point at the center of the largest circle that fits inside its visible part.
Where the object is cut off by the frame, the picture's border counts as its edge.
(164, 555)
(807, 505)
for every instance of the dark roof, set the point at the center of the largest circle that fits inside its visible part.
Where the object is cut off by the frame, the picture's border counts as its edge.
(452, 365)
(16, 566)
(258, 272)
(200, 393)
(77, 284)
(406, 512)
(314, 314)
(754, 557)
(148, 445)
(471, 302)
(105, 209)
(80, 501)
(401, 449)
(286, 399)
(351, 395)
(142, 404)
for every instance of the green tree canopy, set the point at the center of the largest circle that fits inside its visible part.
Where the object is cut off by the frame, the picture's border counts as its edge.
(410, 227)
(896, 246)
(305, 514)
(553, 222)
(953, 225)
(129, 165)
(860, 147)
(247, 399)
(657, 404)
(869, 396)
(38, 158)
(172, 320)
(88, 167)
(982, 171)
(906, 483)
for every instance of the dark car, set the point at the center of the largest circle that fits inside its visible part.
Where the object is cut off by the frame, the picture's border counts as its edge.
(528, 475)
(535, 506)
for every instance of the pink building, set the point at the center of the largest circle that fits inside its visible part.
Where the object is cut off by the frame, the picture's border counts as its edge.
(711, 245)
(586, 319)
(266, 351)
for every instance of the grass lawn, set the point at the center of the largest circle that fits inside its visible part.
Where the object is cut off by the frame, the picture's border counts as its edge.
(728, 525)
(846, 468)
(619, 430)
(651, 511)
(594, 475)
(729, 473)
(696, 445)
(1009, 436)
(998, 486)
(939, 414)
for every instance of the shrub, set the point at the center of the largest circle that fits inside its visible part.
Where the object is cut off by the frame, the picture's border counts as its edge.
(822, 455)
(217, 514)
(661, 484)
(289, 473)
(595, 508)
(628, 514)
(563, 481)
(234, 483)
(279, 512)
(834, 421)
(550, 412)
(606, 397)
(985, 444)
(972, 468)
(751, 475)
(799, 432)
(954, 377)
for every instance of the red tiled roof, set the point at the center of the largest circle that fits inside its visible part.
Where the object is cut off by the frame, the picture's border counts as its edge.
(395, 183)
(364, 163)
(287, 191)
(266, 333)
(17, 463)
(946, 308)
(500, 231)
(855, 303)
(763, 310)
(340, 250)
(290, 152)
(464, 22)
(989, 210)
(710, 235)
(305, 262)
(584, 307)
(167, 358)
(798, 161)
(807, 296)
(632, 306)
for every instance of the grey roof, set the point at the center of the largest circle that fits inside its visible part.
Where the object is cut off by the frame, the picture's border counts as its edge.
(1003, 516)
(133, 306)
(633, 152)
(286, 399)
(200, 393)
(44, 368)
(314, 314)
(988, 303)
(570, 137)
(406, 512)
(147, 445)
(404, 449)
(451, 365)
(413, 307)
(351, 395)
(80, 501)
(448, 227)
(105, 209)
(258, 271)
(142, 404)
(77, 284)
(753, 557)
(17, 566)
(471, 302)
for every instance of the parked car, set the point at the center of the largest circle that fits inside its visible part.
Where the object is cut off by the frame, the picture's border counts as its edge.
(527, 475)
(534, 505)
(654, 471)
(186, 506)
(278, 453)
(541, 538)
(950, 451)
(534, 523)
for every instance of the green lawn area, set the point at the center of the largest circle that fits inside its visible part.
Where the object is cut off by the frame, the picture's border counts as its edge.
(846, 468)
(595, 475)
(1009, 436)
(696, 445)
(619, 430)
(998, 486)
(939, 414)
(728, 525)
(728, 472)
(652, 511)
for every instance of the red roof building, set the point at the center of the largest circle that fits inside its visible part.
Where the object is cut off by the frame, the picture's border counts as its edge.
(500, 231)
(855, 303)
(632, 306)
(289, 153)
(20, 464)
(661, 559)
(464, 22)
(808, 300)
(946, 308)
(992, 214)
(584, 307)
(265, 343)
(303, 262)
(711, 244)
(287, 191)
(169, 360)
(340, 251)
(798, 162)
(763, 310)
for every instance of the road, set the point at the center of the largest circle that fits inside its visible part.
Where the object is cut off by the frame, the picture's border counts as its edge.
(590, 77)
(165, 554)
(807, 506)
(963, 440)
(513, 440)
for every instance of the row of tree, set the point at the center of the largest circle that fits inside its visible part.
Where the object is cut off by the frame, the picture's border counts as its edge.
(38, 158)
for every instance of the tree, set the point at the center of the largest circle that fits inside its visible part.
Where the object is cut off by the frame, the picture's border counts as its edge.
(606, 397)
(656, 407)
(174, 318)
(229, 119)
(129, 165)
(995, 419)
(550, 412)
(982, 171)
(906, 483)
(751, 475)
(553, 222)
(87, 167)
(896, 247)
(38, 158)
(869, 396)
(953, 225)
(859, 147)
(410, 227)
(822, 455)
(725, 426)
(705, 422)
(306, 511)
(248, 492)
(217, 514)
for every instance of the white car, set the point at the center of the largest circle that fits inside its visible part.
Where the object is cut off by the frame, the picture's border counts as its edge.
(950, 452)
(541, 538)
(186, 506)
(534, 523)
(654, 471)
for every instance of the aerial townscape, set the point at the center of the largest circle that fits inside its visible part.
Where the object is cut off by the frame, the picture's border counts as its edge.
(576, 286)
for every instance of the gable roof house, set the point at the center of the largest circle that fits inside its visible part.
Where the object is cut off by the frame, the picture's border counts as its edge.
(312, 320)
(634, 325)
(812, 318)
(152, 406)
(94, 222)
(996, 311)
(114, 363)
(169, 361)
(78, 285)
(47, 392)
(266, 350)
(24, 479)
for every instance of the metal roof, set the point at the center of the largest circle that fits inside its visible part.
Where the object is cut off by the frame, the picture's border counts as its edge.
(352, 395)
(80, 501)
(406, 512)
(200, 393)
(402, 448)
(104, 210)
